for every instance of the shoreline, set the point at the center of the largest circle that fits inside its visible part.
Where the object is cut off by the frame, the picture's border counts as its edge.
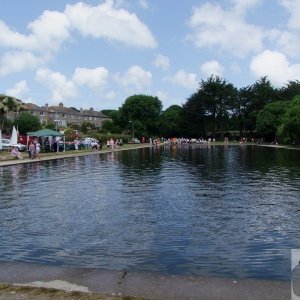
(69, 154)
(119, 284)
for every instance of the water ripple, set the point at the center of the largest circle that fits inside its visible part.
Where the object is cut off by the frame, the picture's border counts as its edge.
(217, 211)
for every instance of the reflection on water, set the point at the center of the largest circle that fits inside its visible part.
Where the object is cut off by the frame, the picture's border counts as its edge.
(218, 211)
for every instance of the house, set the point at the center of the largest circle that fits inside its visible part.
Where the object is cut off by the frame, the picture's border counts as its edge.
(63, 116)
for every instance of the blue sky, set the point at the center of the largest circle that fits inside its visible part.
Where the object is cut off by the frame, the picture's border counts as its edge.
(97, 53)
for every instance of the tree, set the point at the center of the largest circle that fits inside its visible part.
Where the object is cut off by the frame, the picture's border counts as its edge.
(260, 94)
(269, 118)
(194, 117)
(8, 105)
(289, 91)
(211, 105)
(171, 121)
(27, 122)
(144, 111)
(110, 127)
(239, 108)
(289, 130)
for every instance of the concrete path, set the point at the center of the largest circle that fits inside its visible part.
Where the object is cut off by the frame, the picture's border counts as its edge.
(147, 285)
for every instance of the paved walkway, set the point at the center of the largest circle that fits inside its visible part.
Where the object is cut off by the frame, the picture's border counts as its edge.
(146, 285)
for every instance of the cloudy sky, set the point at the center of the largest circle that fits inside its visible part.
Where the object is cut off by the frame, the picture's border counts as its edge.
(96, 53)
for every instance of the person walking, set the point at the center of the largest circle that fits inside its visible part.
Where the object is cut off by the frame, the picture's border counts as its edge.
(32, 150)
(111, 144)
(37, 149)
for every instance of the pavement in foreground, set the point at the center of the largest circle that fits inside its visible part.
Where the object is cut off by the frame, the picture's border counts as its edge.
(140, 285)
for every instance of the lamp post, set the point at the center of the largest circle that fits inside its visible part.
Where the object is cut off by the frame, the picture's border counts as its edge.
(132, 129)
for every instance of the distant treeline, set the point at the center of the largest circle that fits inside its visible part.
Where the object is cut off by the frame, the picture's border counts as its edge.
(217, 109)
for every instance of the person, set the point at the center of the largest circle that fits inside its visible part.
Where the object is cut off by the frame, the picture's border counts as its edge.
(37, 149)
(15, 153)
(76, 144)
(32, 150)
(112, 144)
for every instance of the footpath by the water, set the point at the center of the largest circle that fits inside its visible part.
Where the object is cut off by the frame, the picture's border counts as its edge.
(83, 283)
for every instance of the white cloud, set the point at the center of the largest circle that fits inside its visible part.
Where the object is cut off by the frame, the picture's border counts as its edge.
(293, 7)
(162, 61)
(57, 83)
(212, 68)
(184, 79)
(162, 96)
(111, 95)
(18, 61)
(288, 42)
(50, 30)
(105, 21)
(12, 39)
(94, 78)
(136, 79)
(144, 4)
(18, 90)
(276, 66)
(47, 33)
(215, 27)
(241, 6)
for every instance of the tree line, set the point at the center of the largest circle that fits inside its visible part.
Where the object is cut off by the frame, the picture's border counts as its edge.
(217, 109)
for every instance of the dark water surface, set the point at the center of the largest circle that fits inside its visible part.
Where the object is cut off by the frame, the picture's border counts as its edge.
(217, 211)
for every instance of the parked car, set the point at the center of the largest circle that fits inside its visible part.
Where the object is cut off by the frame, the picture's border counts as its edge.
(6, 144)
(134, 141)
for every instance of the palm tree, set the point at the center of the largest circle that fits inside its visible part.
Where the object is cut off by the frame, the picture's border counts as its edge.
(8, 104)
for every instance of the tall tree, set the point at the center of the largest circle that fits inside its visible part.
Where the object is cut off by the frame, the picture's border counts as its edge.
(144, 111)
(269, 118)
(214, 100)
(8, 105)
(170, 124)
(290, 90)
(289, 130)
(239, 108)
(27, 122)
(261, 93)
(194, 119)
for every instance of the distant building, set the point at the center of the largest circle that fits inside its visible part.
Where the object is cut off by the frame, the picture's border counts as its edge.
(64, 116)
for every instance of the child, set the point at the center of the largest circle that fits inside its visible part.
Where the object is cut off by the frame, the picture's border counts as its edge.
(15, 153)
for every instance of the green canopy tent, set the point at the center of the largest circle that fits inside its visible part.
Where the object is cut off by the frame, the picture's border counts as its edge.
(47, 133)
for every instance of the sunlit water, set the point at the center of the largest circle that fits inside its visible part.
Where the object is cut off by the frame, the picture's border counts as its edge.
(214, 211)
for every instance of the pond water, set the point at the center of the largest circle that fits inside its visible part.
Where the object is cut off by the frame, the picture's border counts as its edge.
(205, 210)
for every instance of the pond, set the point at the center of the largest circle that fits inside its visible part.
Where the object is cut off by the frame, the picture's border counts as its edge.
(226, 211)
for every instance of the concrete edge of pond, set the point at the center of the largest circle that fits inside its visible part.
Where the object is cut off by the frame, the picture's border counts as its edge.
(145, 285)
(60, 155)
